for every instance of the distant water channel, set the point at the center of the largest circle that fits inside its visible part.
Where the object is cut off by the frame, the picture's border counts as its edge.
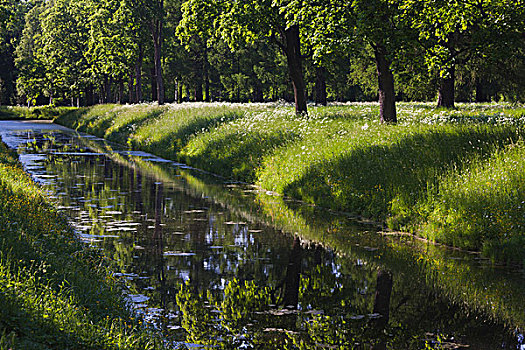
(216, 264)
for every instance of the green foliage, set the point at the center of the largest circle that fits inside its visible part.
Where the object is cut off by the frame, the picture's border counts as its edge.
(54, 292)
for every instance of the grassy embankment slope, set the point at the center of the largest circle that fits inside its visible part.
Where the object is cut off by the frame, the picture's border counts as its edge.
(54, 292)
(455, 177)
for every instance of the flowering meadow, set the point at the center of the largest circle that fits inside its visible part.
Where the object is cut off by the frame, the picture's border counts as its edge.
(54, 292)
(452, 176)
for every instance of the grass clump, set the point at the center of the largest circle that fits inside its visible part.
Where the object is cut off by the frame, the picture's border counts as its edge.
(55, 293)
(339, 156)
(483, 206)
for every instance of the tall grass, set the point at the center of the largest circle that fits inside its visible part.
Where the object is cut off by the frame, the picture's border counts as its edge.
(339, 156)
(55, 293)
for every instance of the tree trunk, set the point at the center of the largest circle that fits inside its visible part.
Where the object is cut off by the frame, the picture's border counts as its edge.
(138, 75)
(153, 85)
(176, 92)
(295, 68)
(157, 45)
(198, 91)
(205, 73)
(107, 89)
(90, 98)
(387, 96)
(121, 91)
(320, 86)
(258, 93)
(130, 89)
(481, 90)
(179, 100)
(446, 89)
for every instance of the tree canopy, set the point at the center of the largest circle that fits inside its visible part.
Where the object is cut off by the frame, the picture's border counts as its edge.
(127, 51)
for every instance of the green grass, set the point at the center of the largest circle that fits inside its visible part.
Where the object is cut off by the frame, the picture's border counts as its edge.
(42, 112)
(342, 158)
(54, 292)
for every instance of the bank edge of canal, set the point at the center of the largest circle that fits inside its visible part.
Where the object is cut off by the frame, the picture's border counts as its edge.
(55, 292)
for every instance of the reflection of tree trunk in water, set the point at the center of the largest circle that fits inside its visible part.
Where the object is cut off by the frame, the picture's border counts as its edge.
(198, 277)
(121, 178)
(158, 241)
(293, 272)
(382, 306)
(137, 192)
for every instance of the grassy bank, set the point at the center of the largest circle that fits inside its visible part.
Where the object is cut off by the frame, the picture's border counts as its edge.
(40, 112)
(451, 176)
(55, 293)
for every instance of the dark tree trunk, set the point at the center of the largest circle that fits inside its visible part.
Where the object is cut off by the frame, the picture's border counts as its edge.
(138, 75)
(446, 89)
(130, 89)
(481, 91)
(121, 91)
(179, 100)
(387, 96)
(205, 74)
(258, 93)
(153, 85)
(89, 96)
(176, 92)
(320, 86)
(293, 275)
(198, 91)
(156, 31)
(295, 67)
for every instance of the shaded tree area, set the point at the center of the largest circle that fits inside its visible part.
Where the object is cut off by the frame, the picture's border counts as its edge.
(66, 52)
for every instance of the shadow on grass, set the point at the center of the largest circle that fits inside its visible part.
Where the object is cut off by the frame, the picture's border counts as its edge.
(122, 132)
(237, 155)
(383, 180)
(170, 145)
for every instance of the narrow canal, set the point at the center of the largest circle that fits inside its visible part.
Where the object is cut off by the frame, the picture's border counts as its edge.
(212, 263)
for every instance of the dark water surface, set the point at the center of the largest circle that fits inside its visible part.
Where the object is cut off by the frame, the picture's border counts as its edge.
(215, 264)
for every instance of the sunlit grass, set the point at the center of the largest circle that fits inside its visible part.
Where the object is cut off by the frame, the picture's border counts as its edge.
(338, 156)
(55, 293)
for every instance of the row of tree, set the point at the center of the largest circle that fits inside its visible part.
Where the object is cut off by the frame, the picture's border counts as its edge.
(93, 51)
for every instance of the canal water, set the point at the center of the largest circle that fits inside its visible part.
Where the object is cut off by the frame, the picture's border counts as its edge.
(216, 264)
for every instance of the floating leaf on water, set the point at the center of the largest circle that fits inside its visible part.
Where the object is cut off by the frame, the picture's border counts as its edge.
(280, 330)
(234, 223)
(138, 298)
(357, 317)
(371, 249)
(178, 254)
(314, 312)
